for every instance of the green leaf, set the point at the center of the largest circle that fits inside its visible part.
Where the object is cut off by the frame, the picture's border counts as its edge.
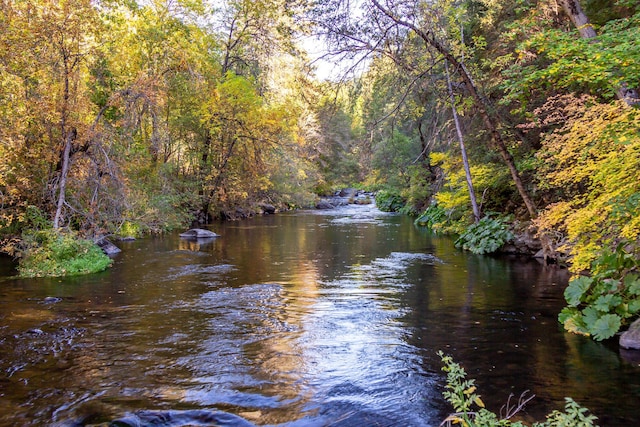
(590, 316)
(576, 289)
(634, 306)
(607, 302)
(606, 327)
(632, 283)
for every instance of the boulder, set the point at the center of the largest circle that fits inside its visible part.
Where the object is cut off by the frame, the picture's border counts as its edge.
(198, 233)
(108, 247)
(268, 208)
(348, 192)
(323, 204)
(631, 337)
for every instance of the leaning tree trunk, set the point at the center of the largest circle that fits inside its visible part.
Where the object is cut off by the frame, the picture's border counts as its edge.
(463, 150)
(573, 9)
(483, 108)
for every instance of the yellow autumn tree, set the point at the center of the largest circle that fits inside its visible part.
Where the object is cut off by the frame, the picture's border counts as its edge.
(592, 163)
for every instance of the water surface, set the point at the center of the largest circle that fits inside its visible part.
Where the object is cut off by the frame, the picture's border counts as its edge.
(301, 319)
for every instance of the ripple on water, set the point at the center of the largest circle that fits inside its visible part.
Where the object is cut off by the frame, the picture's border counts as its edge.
(199, 270)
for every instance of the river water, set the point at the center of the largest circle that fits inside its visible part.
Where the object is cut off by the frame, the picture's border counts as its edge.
(317, 318)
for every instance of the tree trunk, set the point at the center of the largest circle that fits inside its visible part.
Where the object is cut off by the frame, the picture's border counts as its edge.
(578, 17)
(62, 185)
(68, 137)
(463, 150)
(483, 109)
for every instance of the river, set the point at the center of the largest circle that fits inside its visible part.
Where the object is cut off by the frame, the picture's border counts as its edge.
(309, 318)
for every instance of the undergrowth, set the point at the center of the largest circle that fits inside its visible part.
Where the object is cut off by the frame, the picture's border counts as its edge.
(470, 411)
(52, 253)
(600, 304)
(485, 236)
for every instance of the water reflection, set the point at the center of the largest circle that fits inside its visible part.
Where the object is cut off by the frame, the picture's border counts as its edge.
(303, 319)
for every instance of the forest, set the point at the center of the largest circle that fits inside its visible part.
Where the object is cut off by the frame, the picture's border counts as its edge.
(485, 119)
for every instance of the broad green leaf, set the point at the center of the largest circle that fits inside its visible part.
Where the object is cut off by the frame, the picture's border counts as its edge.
(606, 327)
(576, 289)
(634, 306)
(632, 283)
(590, 316)
(607, 302)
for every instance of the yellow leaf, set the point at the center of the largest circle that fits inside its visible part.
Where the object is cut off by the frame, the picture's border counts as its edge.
(479, 402)
(470, 390)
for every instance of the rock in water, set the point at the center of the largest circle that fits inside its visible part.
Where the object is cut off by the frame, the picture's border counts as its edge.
(198, 233)
(631, 337)
(193, 417)
(108, 247)
(323, 204)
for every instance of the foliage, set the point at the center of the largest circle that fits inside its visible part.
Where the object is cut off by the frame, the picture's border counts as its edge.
(485, 236)
(489, 179)
(388, 201)
(419, 191)
(591, 165)
(599, 304)
(553, 59)
(161, 113)
(49, 252)
(470, 410)
(433, 217)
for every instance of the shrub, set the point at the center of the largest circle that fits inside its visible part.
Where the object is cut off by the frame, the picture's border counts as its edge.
(432, 217)
(471, 412)
(389, 201)
(52, 253)
(598, 305)
(485, 236)
(592, 164)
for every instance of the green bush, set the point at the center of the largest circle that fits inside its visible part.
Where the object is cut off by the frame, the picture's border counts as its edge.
(598, 305)
(471, 412)
(432, 217)
(52, 253)
(485, 236)
(389, 201)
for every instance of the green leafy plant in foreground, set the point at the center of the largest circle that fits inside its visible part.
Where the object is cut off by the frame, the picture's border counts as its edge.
(600, 304)
(52, 253)
(470, 411)
(485, 236)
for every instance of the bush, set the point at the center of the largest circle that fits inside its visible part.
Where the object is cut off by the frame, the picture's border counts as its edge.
(471, 412)
(52, 253)
(389, 201)
(485, 236)
(432, 218)
(598, 305)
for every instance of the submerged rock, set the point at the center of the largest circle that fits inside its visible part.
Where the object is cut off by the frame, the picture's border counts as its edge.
(180, 418)
(108, 247)
(631, 337)
(198, 233)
